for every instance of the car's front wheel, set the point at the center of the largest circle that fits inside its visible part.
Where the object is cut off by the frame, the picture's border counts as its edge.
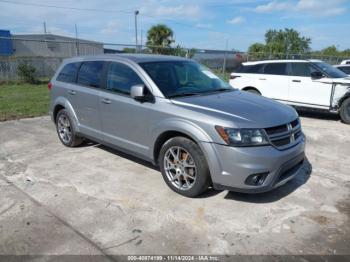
(345, 111)
(184, 167)
(65, 130)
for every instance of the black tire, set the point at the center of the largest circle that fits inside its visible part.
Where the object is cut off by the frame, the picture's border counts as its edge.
(345, 111)
(253, 91)
(202, 174)
(74, 140)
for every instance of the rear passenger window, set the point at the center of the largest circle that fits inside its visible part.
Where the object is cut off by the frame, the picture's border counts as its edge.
(90, 73)
(120, 78)
(301, 69)
(275, 69)
(68, 73)
(252, 69)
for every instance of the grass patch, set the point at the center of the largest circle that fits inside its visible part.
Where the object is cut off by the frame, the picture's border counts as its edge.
(23, 100)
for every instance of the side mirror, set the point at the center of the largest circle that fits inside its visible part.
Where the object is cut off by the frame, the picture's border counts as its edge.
(138, 92)
(316, 75)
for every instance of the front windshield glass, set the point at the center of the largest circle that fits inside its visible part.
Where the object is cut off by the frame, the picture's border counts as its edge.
(184, 78)
(331, 71)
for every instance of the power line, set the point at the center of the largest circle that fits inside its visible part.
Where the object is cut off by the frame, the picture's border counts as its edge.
(113, 11)
(65, 7)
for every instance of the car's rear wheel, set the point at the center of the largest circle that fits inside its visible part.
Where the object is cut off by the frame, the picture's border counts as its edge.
(65, 130)
(184, 167)
(345, 111)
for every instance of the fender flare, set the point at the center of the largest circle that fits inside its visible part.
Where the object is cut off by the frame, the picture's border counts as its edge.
(62, 101)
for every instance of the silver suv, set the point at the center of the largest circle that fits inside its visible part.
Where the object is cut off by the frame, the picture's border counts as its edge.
(179, 115)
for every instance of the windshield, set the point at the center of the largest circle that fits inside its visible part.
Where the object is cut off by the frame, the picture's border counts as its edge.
(183, 78)
(331, 71)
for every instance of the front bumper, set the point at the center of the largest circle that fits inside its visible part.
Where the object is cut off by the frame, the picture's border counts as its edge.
(231, 166)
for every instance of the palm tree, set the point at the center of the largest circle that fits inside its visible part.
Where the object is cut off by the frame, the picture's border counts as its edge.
(159, 39)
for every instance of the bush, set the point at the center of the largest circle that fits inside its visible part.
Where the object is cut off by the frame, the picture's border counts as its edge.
(27, 73)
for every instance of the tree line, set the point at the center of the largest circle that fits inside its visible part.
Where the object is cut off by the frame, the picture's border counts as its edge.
(160, 40)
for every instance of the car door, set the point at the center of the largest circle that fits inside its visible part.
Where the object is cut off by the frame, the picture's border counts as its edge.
(305, 90)
(124, 120)
(273, 82)
(87, 98)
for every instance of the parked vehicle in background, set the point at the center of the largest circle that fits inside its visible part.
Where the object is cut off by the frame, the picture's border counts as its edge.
(302, 83)
(177, 114)
(344, 68)
(345, 62)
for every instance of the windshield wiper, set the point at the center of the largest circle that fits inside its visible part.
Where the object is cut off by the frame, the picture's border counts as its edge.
(218, 90)
(182, 94)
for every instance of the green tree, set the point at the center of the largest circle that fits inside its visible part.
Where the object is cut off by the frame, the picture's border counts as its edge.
(287, 41)
(257, 48)
(159, 39)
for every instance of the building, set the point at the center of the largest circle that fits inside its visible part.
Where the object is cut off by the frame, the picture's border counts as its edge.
(50, 45)
(43, 51)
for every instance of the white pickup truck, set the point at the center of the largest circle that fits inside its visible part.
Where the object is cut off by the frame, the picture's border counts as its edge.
(303, 83)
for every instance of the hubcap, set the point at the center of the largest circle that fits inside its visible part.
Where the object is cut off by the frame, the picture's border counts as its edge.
(180, 168)
(64, 128)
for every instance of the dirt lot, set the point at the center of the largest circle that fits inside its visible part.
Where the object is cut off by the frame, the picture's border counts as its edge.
(93, 200)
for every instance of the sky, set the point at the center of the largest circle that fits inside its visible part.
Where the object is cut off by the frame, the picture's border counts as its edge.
(196, 23)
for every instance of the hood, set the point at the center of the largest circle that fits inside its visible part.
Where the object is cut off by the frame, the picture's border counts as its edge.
(243, 109)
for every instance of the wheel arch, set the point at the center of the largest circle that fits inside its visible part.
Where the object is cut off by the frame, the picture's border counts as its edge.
(176, 127)
(251, 88)
(62, 103)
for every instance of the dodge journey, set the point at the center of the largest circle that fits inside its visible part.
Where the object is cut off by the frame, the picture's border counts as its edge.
(180, 116)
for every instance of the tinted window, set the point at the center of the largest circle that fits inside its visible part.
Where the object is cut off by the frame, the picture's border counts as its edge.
(302, 69)
(90, 73)
(345, 69)
(120, 78)
(252, 69)
(275, 68)
(68, 73)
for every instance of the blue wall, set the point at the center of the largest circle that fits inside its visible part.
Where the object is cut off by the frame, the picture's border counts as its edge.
(5, 44)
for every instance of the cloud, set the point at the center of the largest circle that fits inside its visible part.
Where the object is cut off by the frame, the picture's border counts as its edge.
(273, 6)
(309, 7)
(325, 8)
(188, 11)
(206, 26)
(111, 28)
(236, 20)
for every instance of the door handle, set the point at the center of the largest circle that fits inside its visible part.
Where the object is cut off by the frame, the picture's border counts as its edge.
(106, 101)
(262, 78)
(71, 92)
(297, 81)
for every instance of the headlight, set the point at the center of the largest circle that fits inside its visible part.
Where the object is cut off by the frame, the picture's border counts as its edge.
(243, 136)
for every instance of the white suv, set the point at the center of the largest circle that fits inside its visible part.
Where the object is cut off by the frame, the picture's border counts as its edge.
(304, 83)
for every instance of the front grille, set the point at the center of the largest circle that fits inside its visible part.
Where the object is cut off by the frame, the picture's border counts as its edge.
(284, 136)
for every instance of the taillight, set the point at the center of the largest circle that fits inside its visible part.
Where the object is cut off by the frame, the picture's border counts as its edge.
(234, 76)
(49, 86)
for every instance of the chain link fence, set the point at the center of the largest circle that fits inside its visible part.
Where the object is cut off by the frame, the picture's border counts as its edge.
(45, 55)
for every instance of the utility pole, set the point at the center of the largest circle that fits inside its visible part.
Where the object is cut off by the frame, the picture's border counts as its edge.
(136, 41)
(141, 39)
(76, 40)
(45, 28)
(224, 64)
